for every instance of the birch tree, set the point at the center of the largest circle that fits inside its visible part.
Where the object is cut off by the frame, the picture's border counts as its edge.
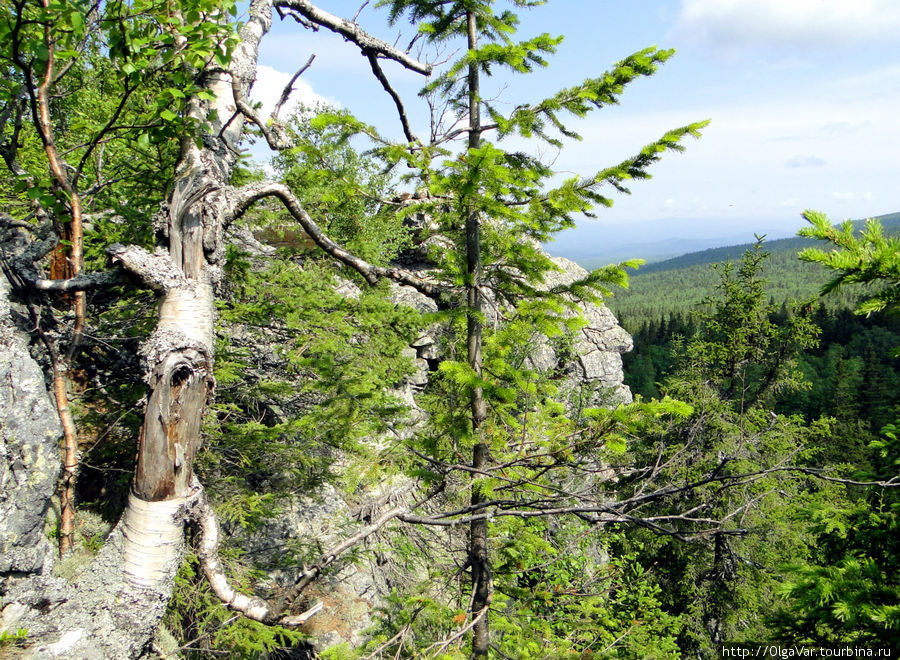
(185, 75)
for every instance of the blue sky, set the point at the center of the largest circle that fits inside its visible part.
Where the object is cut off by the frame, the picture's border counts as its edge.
(804, 98)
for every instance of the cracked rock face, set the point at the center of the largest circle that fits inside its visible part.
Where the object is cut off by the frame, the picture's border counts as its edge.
(590, 367)
(29, 457)
(350, 594)
(597, 348)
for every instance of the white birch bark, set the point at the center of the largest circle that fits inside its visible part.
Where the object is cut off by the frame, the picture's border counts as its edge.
(114, 607)
(112, 610)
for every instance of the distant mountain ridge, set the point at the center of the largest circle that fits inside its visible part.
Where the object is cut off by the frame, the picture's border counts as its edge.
(675, 287)
(890, 222)
(598, 243)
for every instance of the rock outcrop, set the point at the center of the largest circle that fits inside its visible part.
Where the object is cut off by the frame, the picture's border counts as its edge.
(591, 365)
(29, 454)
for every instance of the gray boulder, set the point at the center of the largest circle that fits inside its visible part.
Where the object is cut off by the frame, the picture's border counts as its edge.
(29, 456)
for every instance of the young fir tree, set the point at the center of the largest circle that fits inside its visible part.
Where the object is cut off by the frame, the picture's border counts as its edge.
(848, 590)
(494, 207)
(730, 372)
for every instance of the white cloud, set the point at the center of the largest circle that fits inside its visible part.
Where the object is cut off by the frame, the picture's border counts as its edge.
(739, 165)
(740, 23)
(805, 161)
(271, 82)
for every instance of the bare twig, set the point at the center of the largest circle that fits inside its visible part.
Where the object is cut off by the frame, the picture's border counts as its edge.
(372, 56)
(310, 574)
(443, 644)
(359, 11)
(275, 135)
(290, 87)
(352, 32)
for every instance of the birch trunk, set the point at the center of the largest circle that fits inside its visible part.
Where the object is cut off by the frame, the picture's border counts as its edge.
(179, 354)
(113, 608)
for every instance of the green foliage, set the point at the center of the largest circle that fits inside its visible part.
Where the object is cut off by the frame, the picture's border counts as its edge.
(316, 378)
(847, 591)
(849, 376)
(733, 364)
(303, 370)
(819, 564)
(348, 193)
(488, 210)
(121, 107)
(562, 596)
(655, 295)
(557, 595)
(671, 288)
(594, 93)
(747, 345)
(725, 578)
(739, 347)
(870, 257)
(12, 639)
(208, 628)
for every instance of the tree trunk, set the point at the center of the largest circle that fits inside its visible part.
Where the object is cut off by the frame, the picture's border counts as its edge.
(113, 608)
(478, 557)
(179, 354)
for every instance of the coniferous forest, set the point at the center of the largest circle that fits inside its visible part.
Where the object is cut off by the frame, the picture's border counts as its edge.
(344, 404)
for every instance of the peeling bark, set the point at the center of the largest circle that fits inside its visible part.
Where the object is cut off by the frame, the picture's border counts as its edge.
(154, 538)
(170, 436)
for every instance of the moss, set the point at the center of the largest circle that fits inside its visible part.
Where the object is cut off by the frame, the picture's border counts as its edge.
(165, 643)
(90, 533)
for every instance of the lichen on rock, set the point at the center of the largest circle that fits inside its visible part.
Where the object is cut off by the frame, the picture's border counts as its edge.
(29, 455)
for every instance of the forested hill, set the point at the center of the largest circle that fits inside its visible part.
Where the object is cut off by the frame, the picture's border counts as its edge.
(890, 222)
(676, 286)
